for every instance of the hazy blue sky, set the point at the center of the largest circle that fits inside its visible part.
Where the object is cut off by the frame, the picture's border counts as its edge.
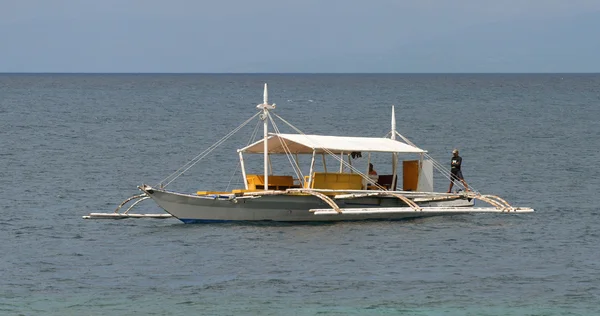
(299, 36)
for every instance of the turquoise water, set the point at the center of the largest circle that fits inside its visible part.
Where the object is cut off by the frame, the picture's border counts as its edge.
(75, 144)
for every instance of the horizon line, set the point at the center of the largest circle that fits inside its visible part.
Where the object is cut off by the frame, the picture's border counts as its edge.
(296, 73)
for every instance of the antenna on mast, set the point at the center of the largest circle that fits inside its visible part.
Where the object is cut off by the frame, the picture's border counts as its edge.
(265, 106)
(266, 95)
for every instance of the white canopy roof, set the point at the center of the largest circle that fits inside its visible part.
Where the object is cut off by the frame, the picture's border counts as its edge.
(305, 144)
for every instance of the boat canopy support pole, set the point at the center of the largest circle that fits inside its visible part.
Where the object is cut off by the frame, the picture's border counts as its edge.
(297, 162)
(265, 148)
(312, 167)
(394, 155)
(270, 165)
(350, 164)
(368, 164)
(421, 159)
(243, 167)
(394, 171)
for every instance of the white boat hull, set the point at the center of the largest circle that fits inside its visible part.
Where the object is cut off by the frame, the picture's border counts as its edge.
(297, 208)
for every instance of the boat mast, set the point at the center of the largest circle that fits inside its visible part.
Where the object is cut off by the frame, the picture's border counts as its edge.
(265, 106)
(394, 155)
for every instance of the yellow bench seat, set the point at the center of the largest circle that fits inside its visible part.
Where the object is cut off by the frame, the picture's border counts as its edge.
(336, 181)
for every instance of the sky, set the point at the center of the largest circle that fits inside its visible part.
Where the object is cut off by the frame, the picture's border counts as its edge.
(314, 36)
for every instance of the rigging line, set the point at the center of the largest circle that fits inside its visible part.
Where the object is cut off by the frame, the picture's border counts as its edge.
(206, 154)
(287, 151)
(286, 148)
(436, 164)
(237, 166)
(443, 170)
(448, 174)
(405, 139)
(364, 176)
(253, 136)
(203, 154)
(209, 148)
(288, 154)
(284, 145)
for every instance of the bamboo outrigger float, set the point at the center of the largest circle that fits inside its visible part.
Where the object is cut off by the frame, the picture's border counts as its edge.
(348, 194)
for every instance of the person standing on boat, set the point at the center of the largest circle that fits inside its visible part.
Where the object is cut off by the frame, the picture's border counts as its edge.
(455, 172)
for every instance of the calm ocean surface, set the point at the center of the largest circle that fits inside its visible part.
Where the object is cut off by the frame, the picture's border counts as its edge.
(75, 144)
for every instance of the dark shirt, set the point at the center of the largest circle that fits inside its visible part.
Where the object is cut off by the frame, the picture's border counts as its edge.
(456, 161)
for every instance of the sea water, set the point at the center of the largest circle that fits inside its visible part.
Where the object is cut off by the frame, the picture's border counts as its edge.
(73, 144)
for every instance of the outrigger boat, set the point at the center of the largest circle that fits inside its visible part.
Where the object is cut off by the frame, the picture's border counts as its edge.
(344, 194)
